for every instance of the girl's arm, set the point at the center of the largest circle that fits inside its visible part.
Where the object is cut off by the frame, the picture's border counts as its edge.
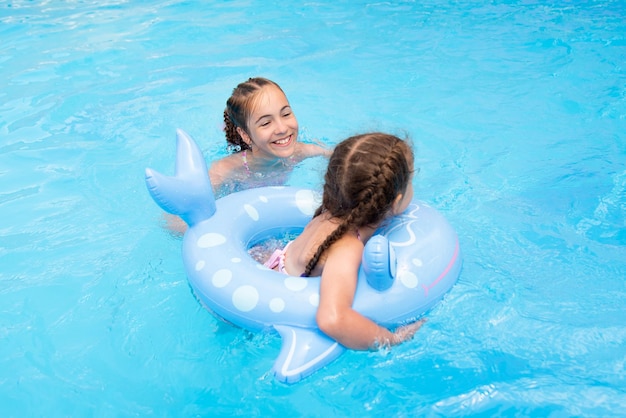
(335, 316)
(313, 150)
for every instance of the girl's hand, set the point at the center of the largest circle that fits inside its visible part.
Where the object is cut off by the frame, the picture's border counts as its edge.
(406, 332)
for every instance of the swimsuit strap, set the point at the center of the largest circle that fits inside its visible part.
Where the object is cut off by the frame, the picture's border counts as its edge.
(245, 161)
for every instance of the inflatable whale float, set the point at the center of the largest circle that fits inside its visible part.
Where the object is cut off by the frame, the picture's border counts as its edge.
(408, 266)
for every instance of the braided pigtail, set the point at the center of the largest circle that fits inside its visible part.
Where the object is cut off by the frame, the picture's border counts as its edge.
(330, 240)
(352, 222)
(239, 106)
(235, 141)
(365, 175)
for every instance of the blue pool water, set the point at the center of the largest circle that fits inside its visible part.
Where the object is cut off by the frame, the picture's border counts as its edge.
(518, 114)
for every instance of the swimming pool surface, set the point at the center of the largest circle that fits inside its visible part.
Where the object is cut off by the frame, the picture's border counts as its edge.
(517, 110)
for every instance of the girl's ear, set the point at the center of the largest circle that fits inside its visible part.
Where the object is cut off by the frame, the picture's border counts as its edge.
(244, 136)
(395, 208)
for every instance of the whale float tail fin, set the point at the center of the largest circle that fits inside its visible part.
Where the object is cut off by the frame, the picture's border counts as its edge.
(303, 351)
(188, 193)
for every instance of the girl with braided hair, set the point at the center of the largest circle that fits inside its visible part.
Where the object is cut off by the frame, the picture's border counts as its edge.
(262, 131)
(369, 178)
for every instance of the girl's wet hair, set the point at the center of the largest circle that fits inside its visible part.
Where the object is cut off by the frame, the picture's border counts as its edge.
(239, 107)
(365, 175)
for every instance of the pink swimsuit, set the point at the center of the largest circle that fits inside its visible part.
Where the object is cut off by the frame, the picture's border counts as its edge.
(277, 259)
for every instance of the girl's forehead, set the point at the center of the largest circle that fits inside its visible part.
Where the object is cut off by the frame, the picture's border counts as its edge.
(268, 97)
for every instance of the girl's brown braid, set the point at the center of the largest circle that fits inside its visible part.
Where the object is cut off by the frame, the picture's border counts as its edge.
(239, 106)
(365, 175)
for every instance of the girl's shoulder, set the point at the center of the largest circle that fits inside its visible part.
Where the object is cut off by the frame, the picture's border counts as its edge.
(226, 169)
(346, 253)
(227, 164)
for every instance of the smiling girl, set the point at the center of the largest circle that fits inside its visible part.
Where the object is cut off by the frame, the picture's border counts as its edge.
(262, 130)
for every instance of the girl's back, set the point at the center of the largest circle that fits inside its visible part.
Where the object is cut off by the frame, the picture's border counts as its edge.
(302, 249)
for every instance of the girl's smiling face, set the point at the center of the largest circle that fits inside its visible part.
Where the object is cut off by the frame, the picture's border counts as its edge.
(272, 125)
